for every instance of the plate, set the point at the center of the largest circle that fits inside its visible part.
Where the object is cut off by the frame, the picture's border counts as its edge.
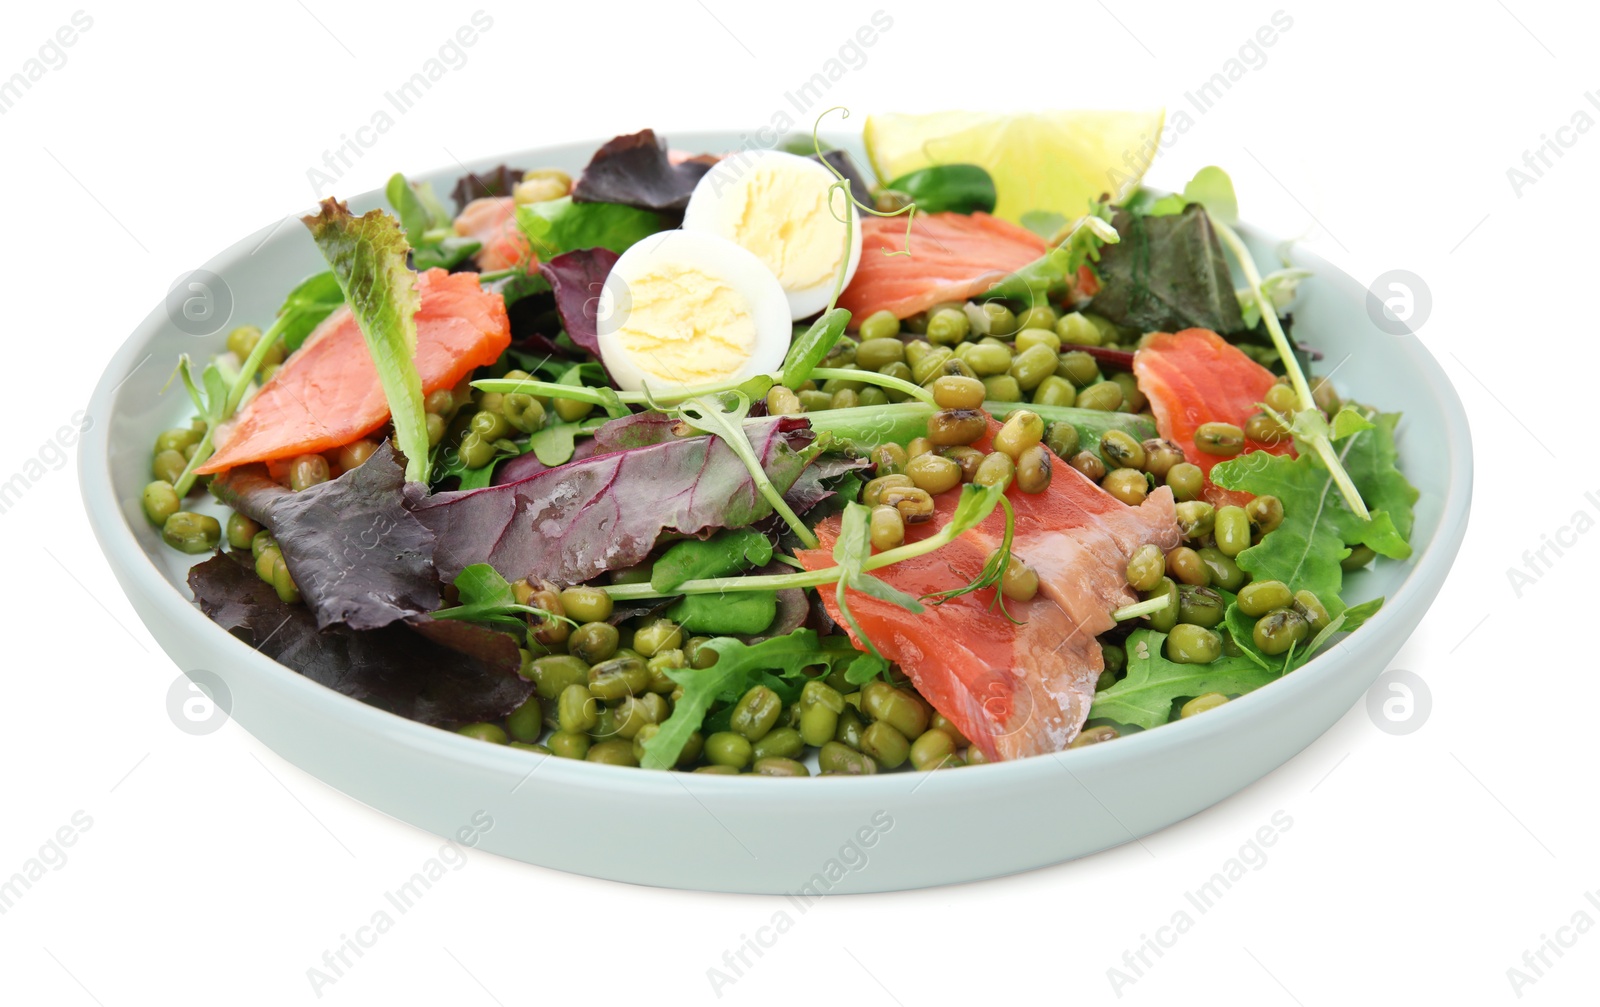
(805, 837)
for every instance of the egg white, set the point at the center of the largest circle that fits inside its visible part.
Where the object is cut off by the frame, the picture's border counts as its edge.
(719, 258)
(715, 203)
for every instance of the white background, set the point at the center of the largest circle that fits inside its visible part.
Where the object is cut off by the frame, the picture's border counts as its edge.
(1418, 868)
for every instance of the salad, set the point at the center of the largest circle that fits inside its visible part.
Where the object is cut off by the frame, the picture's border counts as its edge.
(756, 462)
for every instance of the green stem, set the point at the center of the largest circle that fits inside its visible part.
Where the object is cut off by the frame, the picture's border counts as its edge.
(1269, 314)
(917, 392)
(601, 396)
(241, 386)
(810, 578)
(1147, 607)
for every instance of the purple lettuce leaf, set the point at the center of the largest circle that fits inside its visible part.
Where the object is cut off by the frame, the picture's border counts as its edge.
(497, 181)
(356, 552)
(816, 483)
(393, 668)
(637, 431)
(576, 278)
(634, 170)
(572, 523)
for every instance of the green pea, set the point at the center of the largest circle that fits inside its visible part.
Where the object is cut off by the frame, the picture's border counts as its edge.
(1078, 367)
(526, 722)
(569, 745)
(1200, 606)
(849, 727)
(988, 360)
(946, 327)
(1094, 736)
(577, 710)
(283, 583)
(1200, 704)
(1032, 366)
(241, 531)
(614, 752)
(657, 634)
(263, 540)
(1265, 513)
(1276, 632)
(1115, 657)
(524, 412)
(160, 501)
(901, 371)
(1190, 644)
(1222, 439)
(1027, 339)
(167, 466)
(1062, 438)
(875, 354)
(1133, 400)
(192, 533)
(492, 733)
(839, 759)
(1121, 451)
(878, 325)
(1163, 619)
(872, 396)
(918, 350)
(993, 319)
(885, 744)
(1196, 518)
(997, 469)
(1232, 530)
(554, 673)
(1312, 610)
(1186, 481)
(782, 742)
(774, 765)
(1160, 456)
(635, 712)
(177, 439)
(1105, 396)
(1359, 557)
(725, 748)
(1002, 388)
(1257, 598)
(1040, 316)
(932, 749)
(1224, 572)
(1078, 330)
(572, 410)
(586, 604)
(307, 471)
(756, 713)
(833, 386)
(903, 710)
(623, 675)
(1055, 391)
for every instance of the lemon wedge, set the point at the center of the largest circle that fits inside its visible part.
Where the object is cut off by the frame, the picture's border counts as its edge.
(1049, 164)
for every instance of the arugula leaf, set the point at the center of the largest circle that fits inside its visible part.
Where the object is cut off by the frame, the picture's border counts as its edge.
(779, 663)
(1145, 695)
(1372, 461)
(368, 256)
(1317, 530)
(315, 298)
(561, 225)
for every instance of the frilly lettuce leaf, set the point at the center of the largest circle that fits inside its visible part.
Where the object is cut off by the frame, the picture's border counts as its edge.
(368, 258)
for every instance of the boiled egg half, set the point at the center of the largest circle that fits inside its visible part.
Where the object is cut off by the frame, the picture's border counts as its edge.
(776, 205)
(686, 308)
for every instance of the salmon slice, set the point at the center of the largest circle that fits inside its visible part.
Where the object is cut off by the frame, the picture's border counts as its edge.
(492, 222)
(954, 256)
(327, 393)
(1194, 377)
(1013, 690)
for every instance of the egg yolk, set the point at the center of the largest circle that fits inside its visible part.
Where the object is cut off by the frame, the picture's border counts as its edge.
(780, 217)
(686, 326)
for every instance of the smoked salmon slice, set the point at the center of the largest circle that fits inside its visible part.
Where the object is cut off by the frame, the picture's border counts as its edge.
(954, 256)
(1194, 377)
(492, 222)
(327, 393)
(1013, 689)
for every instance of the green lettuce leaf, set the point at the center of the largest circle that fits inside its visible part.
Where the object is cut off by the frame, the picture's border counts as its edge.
(1145, 695)
(560, 225)
(1317, 530)
(779, 663)
(368, 258)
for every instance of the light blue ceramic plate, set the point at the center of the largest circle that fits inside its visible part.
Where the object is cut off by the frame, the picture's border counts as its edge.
(749, 834)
